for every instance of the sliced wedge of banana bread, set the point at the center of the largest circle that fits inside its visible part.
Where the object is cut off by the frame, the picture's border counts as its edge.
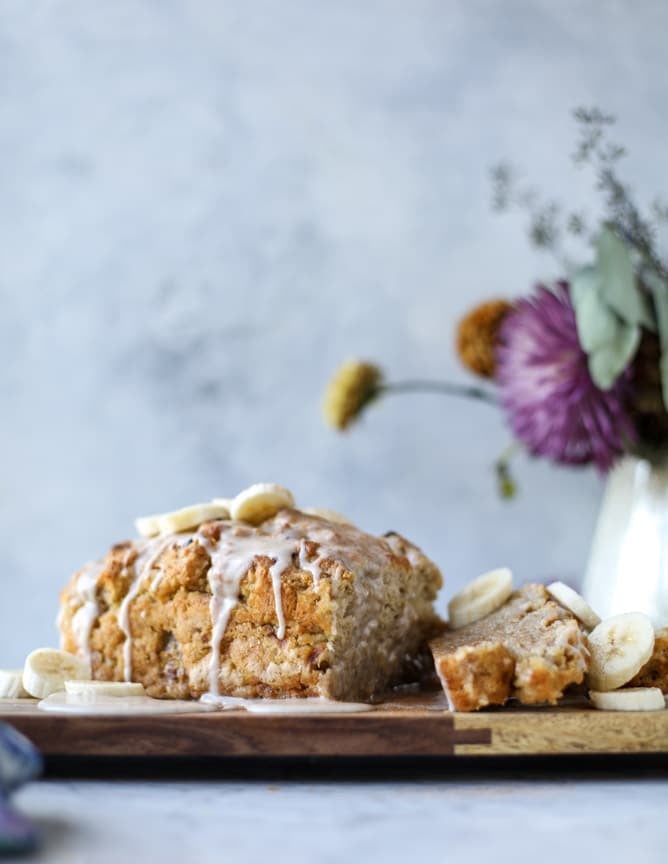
(531, 648)
(655, 672)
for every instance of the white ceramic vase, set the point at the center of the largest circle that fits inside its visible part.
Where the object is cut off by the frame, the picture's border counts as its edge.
(628, 563)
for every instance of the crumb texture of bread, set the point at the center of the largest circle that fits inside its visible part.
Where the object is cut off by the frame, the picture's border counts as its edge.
(655, 672)
(357, 611)
(530, 649)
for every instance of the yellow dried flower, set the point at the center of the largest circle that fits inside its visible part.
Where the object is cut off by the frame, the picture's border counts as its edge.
(477, 336)
(354, 385)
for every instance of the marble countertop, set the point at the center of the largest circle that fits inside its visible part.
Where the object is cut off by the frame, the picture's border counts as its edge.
(454, 814)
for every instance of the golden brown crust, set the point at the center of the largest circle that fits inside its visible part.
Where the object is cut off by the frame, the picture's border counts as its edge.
(655, 672)
(360, 629)
(476, 675)
(531, 649)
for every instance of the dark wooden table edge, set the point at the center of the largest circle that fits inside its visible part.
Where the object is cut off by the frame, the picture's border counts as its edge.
(248, 736)
(478, 768)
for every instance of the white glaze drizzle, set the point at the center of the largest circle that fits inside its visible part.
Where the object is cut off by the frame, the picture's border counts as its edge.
(316, 705)
(66, 703)
(308, 705)
(282, 541)
(60, 621)
(144, 563)
(231, 558)
(84, 617)
(314, 567)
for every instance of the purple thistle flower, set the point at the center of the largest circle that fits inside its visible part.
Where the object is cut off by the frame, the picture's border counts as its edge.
(553, 405)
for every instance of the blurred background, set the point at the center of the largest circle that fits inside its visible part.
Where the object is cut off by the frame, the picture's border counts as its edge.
(206, 206)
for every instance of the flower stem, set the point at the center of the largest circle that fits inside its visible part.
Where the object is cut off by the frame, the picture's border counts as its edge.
(443, 387)
(505, 481)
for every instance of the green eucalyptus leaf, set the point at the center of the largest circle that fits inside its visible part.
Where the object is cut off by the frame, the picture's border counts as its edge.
(596, 322)
(659, 289)
(583, 281)
(608, 361)
(618, 282)
(609, 337)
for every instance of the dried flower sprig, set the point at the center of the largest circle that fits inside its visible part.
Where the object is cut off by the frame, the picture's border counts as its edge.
(622, 214)
(358, 383)
(549, 224)
(582, 365)
(624, 294)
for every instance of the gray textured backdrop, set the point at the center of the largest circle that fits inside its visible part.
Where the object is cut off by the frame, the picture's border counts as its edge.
(205, 206)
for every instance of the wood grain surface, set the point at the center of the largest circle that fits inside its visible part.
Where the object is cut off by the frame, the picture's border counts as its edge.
(417, 725)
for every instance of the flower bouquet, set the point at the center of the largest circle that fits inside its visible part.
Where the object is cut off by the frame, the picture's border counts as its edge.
(579, 367)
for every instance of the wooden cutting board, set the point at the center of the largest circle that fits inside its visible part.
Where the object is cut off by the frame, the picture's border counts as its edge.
(416, 725)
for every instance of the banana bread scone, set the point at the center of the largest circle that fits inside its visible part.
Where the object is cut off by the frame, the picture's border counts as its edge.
(655, 672)
(531, 648)
(297, 606)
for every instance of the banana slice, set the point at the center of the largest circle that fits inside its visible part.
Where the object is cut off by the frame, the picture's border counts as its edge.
(90, 690)
(147, 526)
(260, 502)
(630, 699)
(329, 515)
(480, 597)
(575, 603)
(191, 517)
(180, 520)
(223, 502)
(11, 684)
(46, 670)
(619, 646)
